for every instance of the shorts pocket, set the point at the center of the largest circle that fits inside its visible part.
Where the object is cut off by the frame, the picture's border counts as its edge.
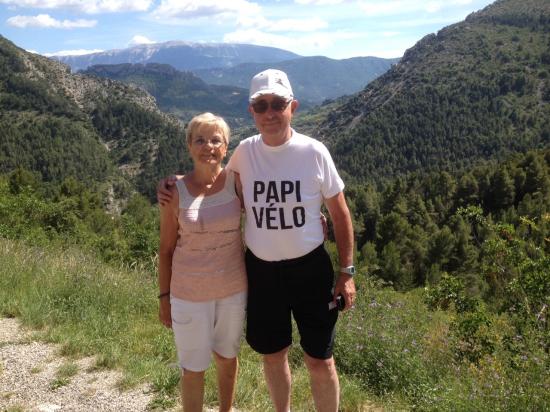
(190, 330)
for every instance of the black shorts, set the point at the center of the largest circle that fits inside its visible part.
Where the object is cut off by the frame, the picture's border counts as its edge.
(301, 287)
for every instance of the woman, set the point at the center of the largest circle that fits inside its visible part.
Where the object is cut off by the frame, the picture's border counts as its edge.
(202, 277)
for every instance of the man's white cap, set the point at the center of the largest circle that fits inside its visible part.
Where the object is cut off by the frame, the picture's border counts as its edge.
(270, 81)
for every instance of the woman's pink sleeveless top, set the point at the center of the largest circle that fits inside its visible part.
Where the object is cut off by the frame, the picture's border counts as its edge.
(208, 261)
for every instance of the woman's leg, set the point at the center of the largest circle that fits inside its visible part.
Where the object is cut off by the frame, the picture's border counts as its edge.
(192, 391)
(227, 376)
(228, 329)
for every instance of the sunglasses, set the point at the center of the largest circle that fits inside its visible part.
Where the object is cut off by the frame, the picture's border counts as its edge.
(277, 105)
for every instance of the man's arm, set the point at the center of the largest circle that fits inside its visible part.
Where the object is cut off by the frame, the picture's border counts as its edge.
(343, 231)
(164, 189)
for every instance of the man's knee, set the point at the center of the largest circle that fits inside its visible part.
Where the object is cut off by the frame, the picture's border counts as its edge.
(276, 358)
(320, 367)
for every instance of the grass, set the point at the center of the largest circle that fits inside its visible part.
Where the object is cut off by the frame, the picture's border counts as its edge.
(64, 374)
(92, 309)
(14, 408)
(87, 307)
(390, 350)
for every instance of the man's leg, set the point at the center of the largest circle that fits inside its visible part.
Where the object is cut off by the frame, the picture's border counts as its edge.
(192, 391)
(227, 375)
(325, 386)
(277, 376)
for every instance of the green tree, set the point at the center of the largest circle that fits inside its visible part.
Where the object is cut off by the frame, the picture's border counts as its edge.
(502, 189)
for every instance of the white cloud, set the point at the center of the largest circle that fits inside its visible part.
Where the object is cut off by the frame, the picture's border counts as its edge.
(419, 22)
(319, 2)
(253, 36)
(283, 25)
(192, 9)
(298, 25)
(138, 39)
(45, 21)
(433, 6)
(84, 6)
(314, 43)
(393, 7)
(78, 52)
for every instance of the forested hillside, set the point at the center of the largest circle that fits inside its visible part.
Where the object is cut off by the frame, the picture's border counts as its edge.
(479, 89)
(59, 125)
(180, 93)
(421, 226)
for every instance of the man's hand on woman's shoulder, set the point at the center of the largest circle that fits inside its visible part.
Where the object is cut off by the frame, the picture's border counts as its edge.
(164, 192)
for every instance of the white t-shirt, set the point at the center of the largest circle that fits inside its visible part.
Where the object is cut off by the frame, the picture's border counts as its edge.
(284, 188)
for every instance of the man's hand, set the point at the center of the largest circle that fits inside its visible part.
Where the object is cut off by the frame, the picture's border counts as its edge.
(343, 233)
(164, 196)
(345, 286)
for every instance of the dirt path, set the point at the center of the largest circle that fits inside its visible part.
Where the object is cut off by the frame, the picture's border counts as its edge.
(29, 381)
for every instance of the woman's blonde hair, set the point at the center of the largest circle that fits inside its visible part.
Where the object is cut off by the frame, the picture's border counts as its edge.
(207, 119)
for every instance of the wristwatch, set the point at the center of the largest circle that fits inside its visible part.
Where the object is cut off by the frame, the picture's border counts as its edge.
(348, 270)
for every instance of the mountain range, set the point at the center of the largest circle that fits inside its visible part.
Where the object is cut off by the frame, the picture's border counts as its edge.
(477, 90)
(225, 90)
(233, 65)
(182, 55)
(332, 78)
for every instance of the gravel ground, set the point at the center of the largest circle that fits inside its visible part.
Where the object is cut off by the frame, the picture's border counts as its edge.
(28, 372)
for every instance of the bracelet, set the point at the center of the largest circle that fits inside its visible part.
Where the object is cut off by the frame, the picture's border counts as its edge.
(163, 294)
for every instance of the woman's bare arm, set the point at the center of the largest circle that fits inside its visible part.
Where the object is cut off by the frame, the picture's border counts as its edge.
(168, 238)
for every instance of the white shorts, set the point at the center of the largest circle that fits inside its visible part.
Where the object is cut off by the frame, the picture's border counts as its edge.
(201, 328)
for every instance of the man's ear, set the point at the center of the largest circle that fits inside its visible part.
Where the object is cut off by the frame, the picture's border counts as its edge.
(294, 105)
(250, 110)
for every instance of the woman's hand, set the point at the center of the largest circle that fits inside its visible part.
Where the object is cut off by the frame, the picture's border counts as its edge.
(324, 224)
(165, 311)
(239, 188)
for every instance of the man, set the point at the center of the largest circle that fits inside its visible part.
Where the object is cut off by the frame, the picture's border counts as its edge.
(286, 177)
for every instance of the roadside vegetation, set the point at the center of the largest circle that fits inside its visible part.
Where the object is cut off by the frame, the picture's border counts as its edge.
(452, 310)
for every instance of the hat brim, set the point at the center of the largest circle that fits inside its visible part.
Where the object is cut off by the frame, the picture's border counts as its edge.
(286, 96)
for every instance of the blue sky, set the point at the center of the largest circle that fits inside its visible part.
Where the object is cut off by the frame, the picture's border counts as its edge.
(332, 28)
